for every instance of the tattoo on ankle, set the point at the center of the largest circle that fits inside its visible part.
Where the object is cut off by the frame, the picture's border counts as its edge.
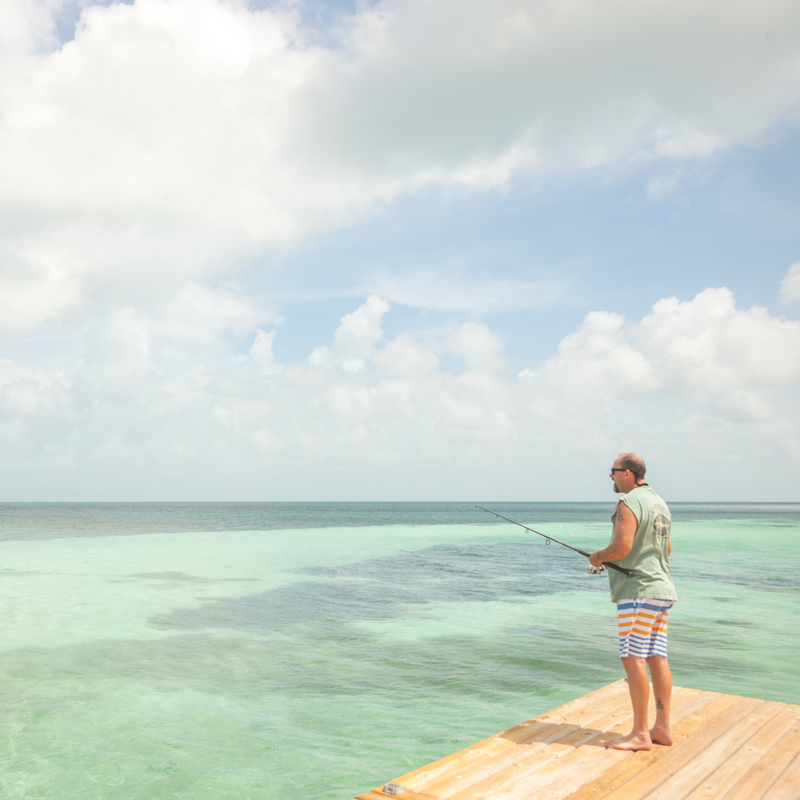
(659, 704)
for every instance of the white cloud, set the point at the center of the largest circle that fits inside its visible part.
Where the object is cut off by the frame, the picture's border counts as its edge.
(705, 355)
(120, 343)
(598, 363)
(262, 354)
(173, 139)
(455, 289)
(405, 358)
(173, 142)
(709, 345)
(36, 284)
(790, 286)
(18, 382)
(201, 315)
(699, 382)
(478, 345)
(355, 339)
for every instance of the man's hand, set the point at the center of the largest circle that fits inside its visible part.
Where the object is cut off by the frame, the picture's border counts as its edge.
(594, 560)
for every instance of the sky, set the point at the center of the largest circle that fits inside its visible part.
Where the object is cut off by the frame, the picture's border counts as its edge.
(398, 250)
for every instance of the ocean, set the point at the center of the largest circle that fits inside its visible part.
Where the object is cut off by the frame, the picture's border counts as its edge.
(296, 650)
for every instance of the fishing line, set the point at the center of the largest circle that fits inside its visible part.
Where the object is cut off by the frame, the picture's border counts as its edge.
(549, 539)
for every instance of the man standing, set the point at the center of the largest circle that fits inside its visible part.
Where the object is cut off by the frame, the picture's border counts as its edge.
(641, 543)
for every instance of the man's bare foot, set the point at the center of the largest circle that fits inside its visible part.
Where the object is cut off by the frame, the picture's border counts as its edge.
(661, 736)
(633, 741)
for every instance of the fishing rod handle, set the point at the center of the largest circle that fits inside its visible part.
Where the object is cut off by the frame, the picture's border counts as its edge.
(608, 564)
(624, 571)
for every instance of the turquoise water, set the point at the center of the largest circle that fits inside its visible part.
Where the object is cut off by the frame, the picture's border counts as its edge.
(291, 650)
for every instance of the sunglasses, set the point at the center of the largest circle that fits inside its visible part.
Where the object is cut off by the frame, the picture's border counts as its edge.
(618, 469)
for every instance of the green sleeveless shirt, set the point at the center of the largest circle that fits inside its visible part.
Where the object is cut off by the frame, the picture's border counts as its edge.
(649, 556)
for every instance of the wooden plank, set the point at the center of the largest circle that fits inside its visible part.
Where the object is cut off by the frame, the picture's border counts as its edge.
(589, 763)
(500, 752)
(787, 787)
(681, 754)
(585, 727)
(499, 749)
(562, 768)
(547, 766)
(377, 794)
(727, 776)
(756, 783)
(503, 749)
(520, 731)
(508, 761)
(703, 709)
(494, 781)
(725, 747)
(567, 711)
(588, 725)
(590, 758)
(716, 753)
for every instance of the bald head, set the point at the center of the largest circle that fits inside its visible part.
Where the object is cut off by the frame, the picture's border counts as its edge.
(635, 464)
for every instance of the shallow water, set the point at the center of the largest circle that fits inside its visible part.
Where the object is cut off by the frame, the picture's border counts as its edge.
(146, 654)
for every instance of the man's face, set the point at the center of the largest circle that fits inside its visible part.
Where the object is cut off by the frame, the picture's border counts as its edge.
(618, 477)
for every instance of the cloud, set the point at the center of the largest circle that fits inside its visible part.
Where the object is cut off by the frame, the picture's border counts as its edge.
(174, 140)
(705, 355)
(201, 315)
(451, 289)
(403, 357)
(694, 382)
(790, 286)
(709, 346)
(355, 339)
(478, 345)
(262, 354)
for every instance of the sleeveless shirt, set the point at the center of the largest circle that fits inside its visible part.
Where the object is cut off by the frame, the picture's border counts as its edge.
(649, 556)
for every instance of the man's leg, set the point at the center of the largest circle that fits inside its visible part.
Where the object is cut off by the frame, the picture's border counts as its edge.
(639, 688)
(661, 732)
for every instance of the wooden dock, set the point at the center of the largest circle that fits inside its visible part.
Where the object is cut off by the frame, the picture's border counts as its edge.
(736, 748)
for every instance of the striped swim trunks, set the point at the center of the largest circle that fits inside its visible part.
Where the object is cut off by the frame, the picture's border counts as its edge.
(643, 627)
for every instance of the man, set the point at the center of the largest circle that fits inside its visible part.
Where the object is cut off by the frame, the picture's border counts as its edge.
(641, 543)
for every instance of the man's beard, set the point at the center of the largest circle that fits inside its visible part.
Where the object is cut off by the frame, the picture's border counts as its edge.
(616, 489)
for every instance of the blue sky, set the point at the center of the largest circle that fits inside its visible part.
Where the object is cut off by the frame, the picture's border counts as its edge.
(597, 239)
(398, 250)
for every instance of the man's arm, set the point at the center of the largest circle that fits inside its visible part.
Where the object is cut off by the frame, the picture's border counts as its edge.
(624, 531)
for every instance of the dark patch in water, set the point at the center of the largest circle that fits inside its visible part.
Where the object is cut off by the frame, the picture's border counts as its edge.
(386, 587)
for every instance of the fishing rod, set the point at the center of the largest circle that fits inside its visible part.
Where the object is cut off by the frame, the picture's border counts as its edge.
(549, 539)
